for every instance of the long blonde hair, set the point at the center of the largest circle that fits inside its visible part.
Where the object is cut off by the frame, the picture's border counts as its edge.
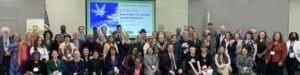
(25, 41)
(124, 38)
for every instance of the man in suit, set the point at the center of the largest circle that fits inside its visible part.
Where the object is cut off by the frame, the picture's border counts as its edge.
(4, 54)
(76, 41)
(170, 64)
(220, 37)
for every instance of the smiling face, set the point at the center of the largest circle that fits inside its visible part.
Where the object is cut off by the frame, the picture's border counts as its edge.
(40, 41)
(150, 51)
(221, 50)
(192, 50)
(277, 37)
(262, 35)
(237, 36)
(170, 48)
(96, 55)
(16, 38)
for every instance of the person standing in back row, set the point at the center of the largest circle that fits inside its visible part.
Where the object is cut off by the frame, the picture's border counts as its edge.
(276, 55)
(293, 59)
(4, 58)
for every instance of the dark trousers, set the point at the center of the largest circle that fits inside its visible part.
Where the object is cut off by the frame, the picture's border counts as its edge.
(291, 65)
(260, 67)
(6, 65)
(274, 69)
(234, 69)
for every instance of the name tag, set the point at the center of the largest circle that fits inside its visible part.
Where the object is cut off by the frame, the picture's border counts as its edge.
(115, 68)
(245, 68)
(75, 73)
(204, 66)
(59, 73)
(69, 55)
(272, 52)
(193, 60)
(292, 55)
(35, 69)
(153, 66)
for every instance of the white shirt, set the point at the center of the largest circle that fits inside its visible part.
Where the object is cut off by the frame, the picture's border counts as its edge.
(6, 39)
(221, 39)
(43, 52)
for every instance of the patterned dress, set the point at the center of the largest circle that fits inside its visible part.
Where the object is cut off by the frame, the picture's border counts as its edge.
(14, 67)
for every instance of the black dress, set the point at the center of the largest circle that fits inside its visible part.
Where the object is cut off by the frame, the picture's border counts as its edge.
(260, 62)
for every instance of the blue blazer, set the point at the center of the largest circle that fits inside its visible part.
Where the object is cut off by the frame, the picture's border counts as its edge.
(109, 64)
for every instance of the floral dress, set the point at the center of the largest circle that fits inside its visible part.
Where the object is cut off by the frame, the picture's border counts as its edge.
(14, 66)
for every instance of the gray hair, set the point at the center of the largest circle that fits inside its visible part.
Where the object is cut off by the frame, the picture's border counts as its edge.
(3, 29)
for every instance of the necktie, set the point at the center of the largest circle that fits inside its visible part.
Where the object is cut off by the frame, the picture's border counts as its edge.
(173, 61)
(5, 43)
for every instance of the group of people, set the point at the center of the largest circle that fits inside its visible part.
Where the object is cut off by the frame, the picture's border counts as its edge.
(161, 53)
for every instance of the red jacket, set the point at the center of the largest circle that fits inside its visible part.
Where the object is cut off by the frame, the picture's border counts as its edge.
(280, 52)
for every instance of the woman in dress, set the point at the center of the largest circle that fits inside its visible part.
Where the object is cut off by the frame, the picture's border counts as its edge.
(13, 50)
(262, 41)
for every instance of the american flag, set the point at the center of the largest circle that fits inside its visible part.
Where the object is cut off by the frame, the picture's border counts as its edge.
(46, 20)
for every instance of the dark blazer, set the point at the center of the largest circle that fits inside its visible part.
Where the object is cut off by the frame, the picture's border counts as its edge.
(109, 64)
(76, 67)
(40, 65)
(99, 48)
(166, 65)
(218, 37)
(51, 66)
(231, 51)
(80, 43)
(2, 49)
(89, 45)
(95, 65)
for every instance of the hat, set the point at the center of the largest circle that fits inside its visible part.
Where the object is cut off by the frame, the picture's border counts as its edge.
(143, 31)
(209, 23)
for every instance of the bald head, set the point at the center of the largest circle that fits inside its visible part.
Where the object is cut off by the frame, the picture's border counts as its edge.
(223, 29)
(75, 35)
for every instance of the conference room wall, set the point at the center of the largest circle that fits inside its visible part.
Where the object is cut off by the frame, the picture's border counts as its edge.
(294, 16)
(269, 15)
(66, 12)
(171, 13)
(13, 13)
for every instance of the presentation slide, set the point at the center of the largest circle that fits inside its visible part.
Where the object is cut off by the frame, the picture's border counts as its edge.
(132, 15)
